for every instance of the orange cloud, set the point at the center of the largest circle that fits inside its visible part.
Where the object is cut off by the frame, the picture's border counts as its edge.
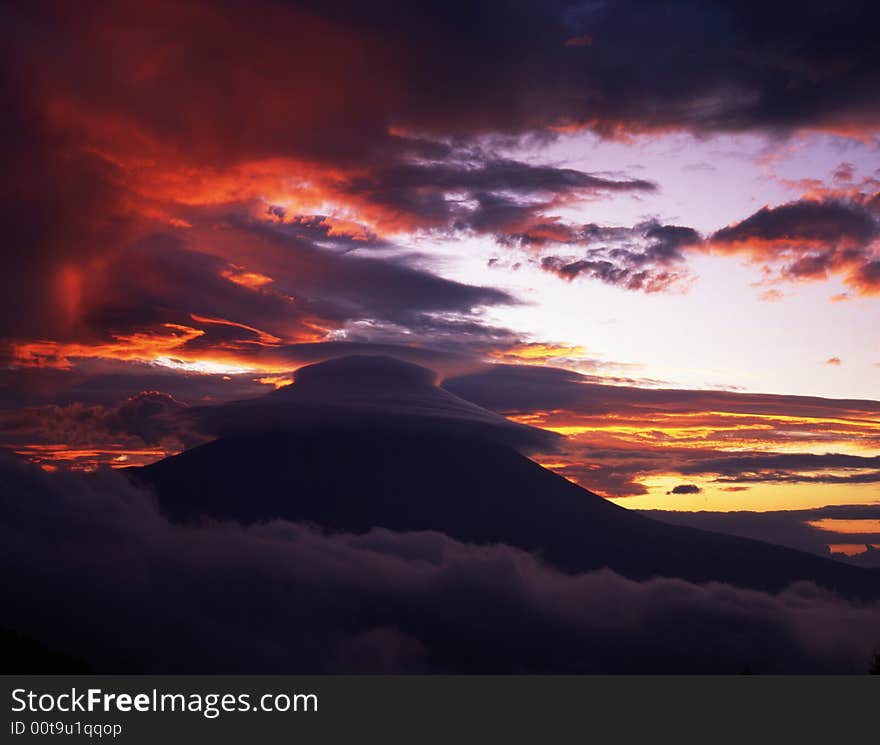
(140, 346)
(50, 457)
(537, 352)
(854, 527)
(251, 280)
(277, 381)
(263, 339)
(627, 454)
(851, 549)
(771, 296)
(809, 239)
(165, 346)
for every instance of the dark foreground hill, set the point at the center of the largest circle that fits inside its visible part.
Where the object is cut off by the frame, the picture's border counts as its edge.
(365, 442)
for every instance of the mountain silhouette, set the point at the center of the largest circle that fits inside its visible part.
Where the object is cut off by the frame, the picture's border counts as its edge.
(364, 442)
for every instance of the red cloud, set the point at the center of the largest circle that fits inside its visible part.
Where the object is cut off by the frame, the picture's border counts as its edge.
(808, 240)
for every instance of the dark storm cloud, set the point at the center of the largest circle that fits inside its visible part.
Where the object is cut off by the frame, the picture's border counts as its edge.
(792, 477)
(789, 528)
(809, 239)
(616, 472)
(512, 389)
(116, 130)
(649, 256)
(115, 121)
(345, 286)
(57, 207)
(667, 240)
(474, 188)
(825, 223)
(777, 462)
(388, 289)
(453, 337)
(157, 597)
(520, 388)
(611, 273)
(725, 66)
(685, 489)
(106, 382)
(164, 278)
(148, 417)
(478, 171)
(646, 241)
(185, 285)
(319, 230)
(139, 429)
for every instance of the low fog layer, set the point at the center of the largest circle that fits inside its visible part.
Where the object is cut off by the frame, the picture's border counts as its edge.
(97, 572)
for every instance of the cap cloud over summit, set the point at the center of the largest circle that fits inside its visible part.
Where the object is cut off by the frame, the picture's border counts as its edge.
(369, 391)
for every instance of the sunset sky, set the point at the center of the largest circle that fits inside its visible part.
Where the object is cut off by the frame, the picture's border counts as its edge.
(651, 228)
